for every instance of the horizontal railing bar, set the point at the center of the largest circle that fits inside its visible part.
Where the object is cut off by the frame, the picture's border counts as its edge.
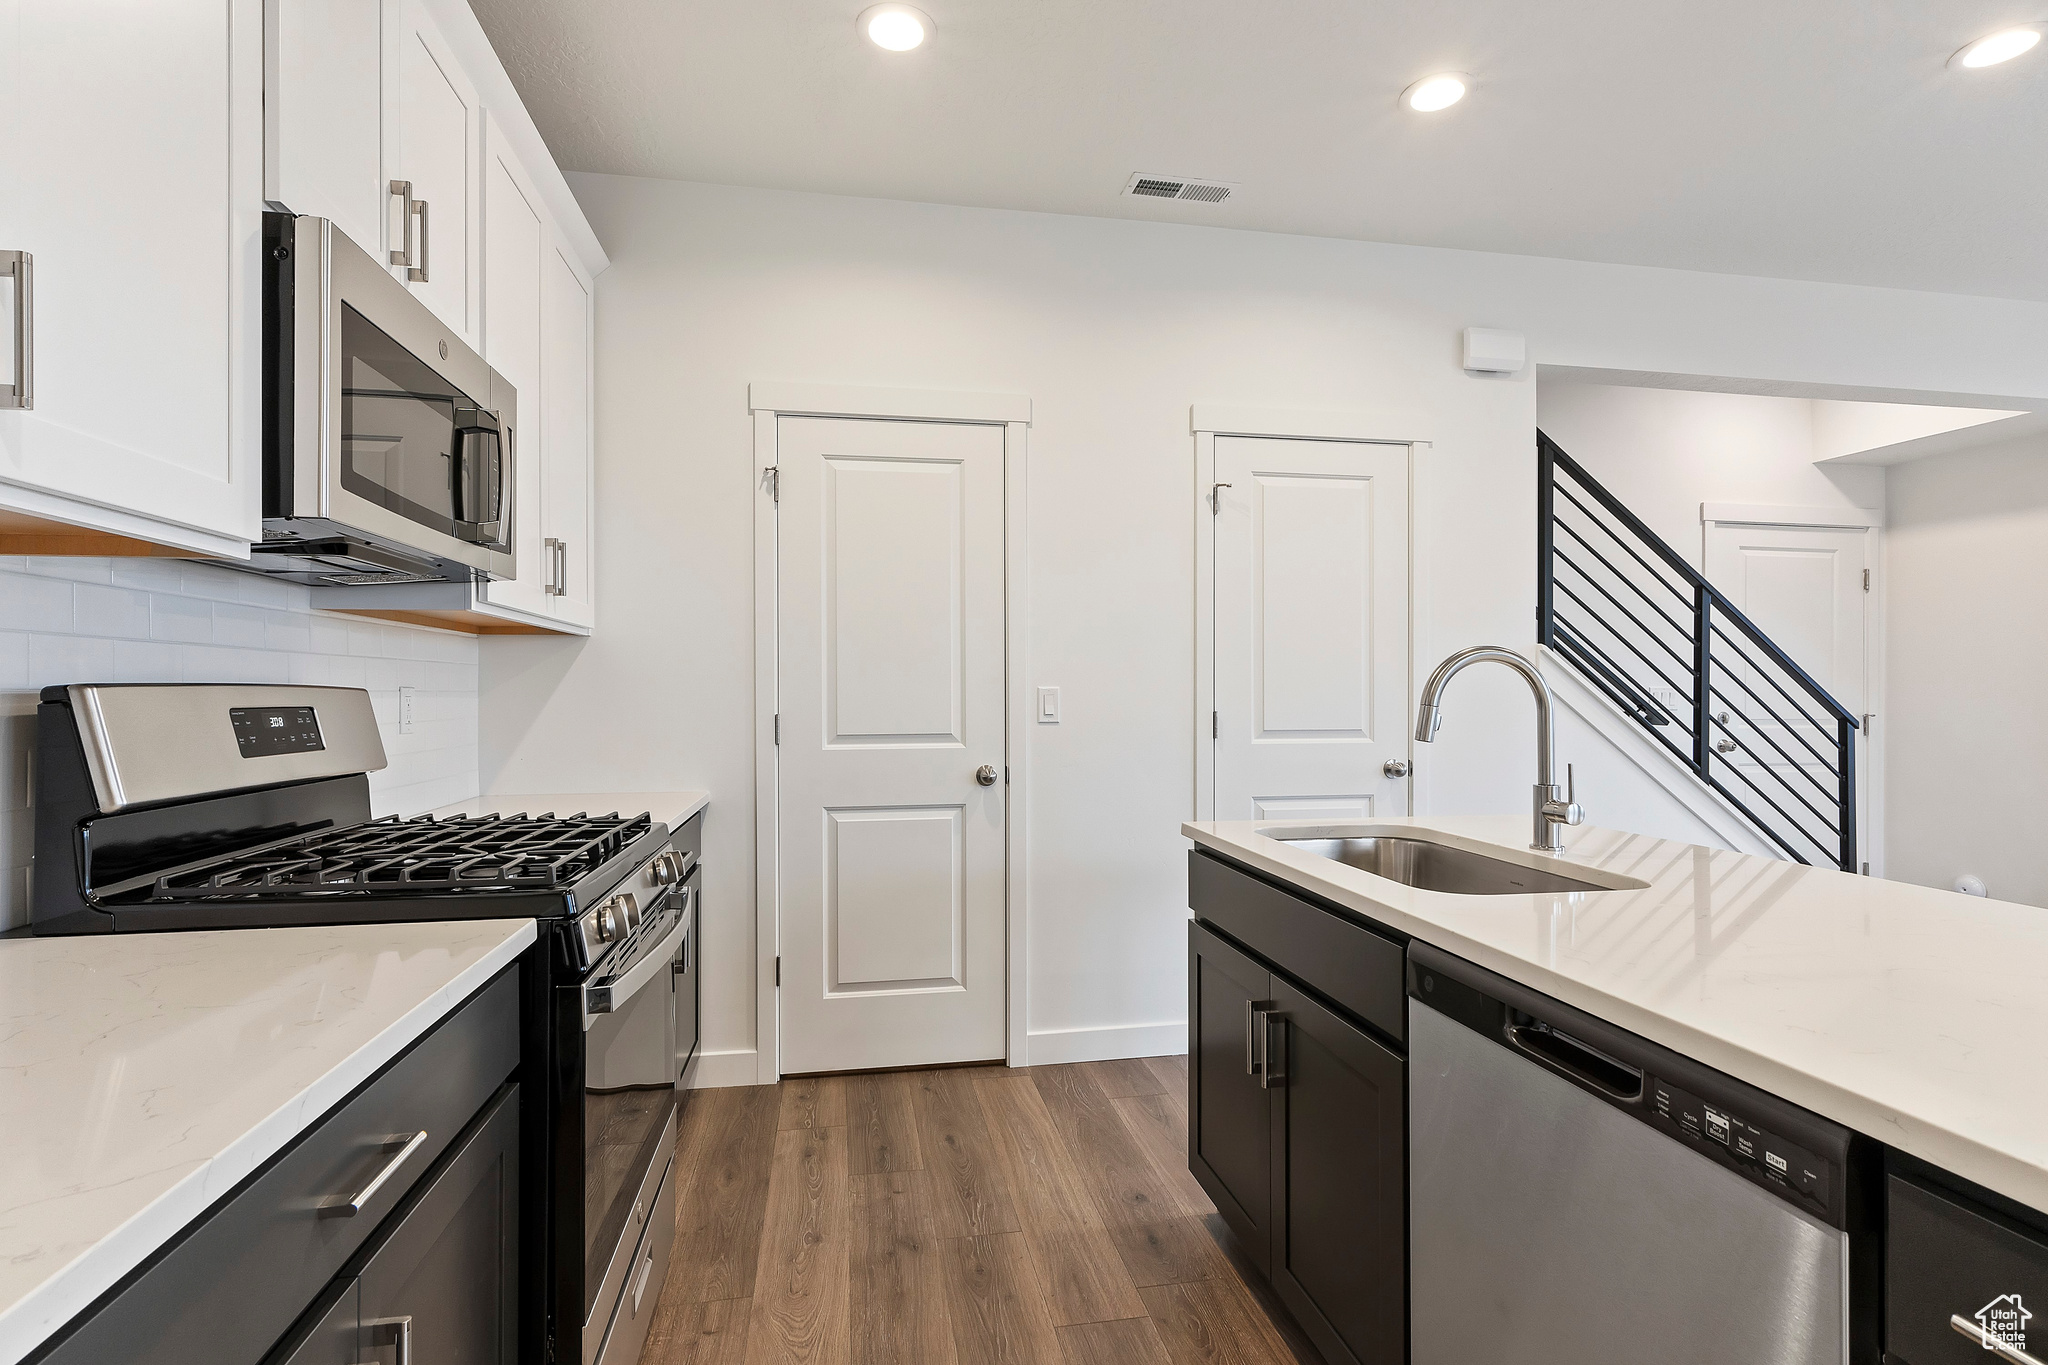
(1595, 518)
(1765, 673)
(1799, 763)
(1633, 587)
(1790, 819)
(1633, 619)
(1790, 791)
(1757, 820)
(1736, 676)
(1669, 681)
(1688, 574)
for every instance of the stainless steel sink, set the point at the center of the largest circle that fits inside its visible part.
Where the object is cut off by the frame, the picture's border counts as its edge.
(1439, 867)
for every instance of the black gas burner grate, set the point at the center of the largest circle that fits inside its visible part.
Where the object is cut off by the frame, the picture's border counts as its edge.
(466, 853)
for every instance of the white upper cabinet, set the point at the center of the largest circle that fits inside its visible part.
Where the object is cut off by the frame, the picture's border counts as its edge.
(323, 113)
(513, 240)
(566, 523)
(434, 185)
(134, 184)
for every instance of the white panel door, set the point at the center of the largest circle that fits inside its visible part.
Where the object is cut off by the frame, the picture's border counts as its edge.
(1311, 630)
(889, 595)
(126, 183)
(323, 113)
(514, 240)
(1803, 587)
(439, 137)
(565, 469)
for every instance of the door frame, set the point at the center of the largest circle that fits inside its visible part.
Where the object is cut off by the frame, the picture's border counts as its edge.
(1352, 426)
(1870, 521)
(767, 401)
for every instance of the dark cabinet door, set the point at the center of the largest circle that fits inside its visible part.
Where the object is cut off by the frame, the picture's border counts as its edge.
(1339, 1180)
(442, 1284)
(326, 1335)
(1229, 1134)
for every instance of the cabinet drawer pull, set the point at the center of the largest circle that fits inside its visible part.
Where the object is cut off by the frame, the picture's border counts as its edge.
(348, 1206)
(382, 1332)
(2012, 1354)
(22, 392)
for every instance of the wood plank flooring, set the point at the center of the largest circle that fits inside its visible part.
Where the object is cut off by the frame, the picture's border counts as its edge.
(978, 1216)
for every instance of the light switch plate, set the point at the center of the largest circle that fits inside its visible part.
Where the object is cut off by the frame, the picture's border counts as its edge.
(1048, 706)
(405, 710)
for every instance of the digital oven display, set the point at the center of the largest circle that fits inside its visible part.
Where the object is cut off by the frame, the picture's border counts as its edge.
(261, 731)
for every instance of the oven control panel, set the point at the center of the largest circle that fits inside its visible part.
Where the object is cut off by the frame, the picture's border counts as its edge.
(619, 915)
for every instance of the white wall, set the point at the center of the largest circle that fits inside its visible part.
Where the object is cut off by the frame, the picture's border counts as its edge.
(1112, 329)
(166, 620)
(1843, 428)
(1967, 654)
(1666, 451)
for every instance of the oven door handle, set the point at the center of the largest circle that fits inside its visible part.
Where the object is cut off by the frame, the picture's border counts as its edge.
(612, 996)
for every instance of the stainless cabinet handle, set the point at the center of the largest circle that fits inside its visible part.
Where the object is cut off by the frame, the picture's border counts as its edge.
(1269, 1075)
(1251, 1052)
(558, 567)
(22, 392)
(1256, 1021)
(348, 1206)
(401, 190)
(382, 1332)
(2012, 1354)
(419, 272)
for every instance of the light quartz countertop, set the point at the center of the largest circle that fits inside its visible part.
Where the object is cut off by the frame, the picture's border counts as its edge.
(671, 808)
(143, 1076)
(1917, 1017)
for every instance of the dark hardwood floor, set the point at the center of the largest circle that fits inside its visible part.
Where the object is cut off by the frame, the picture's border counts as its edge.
(979, 1216)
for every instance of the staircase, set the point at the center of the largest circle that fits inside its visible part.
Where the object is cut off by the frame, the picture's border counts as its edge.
(1647, 632)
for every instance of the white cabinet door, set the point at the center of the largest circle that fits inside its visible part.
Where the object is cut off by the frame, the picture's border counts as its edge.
(323, 113)
(1311, 633)
(133, 186)
(566, 317)
(439, 140)
(514, 238)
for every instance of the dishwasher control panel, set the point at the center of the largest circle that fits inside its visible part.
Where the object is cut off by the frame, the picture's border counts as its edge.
(1768, 1159)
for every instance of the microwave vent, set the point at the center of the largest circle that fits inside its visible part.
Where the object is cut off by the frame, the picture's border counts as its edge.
(356, 580)
(1179, 187)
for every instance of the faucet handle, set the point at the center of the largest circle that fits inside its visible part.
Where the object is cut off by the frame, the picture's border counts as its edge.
(1571, 814)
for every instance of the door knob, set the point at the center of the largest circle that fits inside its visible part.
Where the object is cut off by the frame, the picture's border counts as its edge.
(985, 775)
(1395, 767)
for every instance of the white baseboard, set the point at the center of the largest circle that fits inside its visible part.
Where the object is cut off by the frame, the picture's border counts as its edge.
(1105, 1043)
(716, 1070)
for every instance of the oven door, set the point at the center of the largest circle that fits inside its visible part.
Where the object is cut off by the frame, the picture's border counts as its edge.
(629, 1097)
(399, 429)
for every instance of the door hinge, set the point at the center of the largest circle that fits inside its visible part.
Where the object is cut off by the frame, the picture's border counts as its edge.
(1216, 497)
(778, 971)
(1006, 774)
(1866, 580)
(778, 727)
(1869, 719)
(1215, 726)
(771, 479)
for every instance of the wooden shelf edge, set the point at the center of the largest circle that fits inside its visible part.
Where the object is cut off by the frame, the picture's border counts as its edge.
(465, 622)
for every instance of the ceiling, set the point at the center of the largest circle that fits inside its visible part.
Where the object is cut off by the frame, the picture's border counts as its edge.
(1816, 140)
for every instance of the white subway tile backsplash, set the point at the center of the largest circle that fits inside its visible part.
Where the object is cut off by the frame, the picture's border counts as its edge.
(165, 620)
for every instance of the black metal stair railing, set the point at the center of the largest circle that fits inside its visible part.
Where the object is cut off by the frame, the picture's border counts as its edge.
(1654, 637)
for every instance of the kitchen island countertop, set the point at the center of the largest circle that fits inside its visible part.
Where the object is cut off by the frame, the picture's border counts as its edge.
(1912, 1015)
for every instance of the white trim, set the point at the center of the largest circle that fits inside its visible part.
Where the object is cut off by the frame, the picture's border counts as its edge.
(1108, 1042)
(727, 1067)
(913, 405)
(1395, 426)
(1651, 758)
(767, 1040)
(1766, 514)
(1017, 722)
(813, 400)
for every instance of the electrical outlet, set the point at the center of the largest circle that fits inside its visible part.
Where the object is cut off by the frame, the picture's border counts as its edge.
(405, 710)
(1048, 706)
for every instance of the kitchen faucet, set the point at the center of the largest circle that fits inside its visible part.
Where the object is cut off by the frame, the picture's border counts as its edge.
(1555, 808)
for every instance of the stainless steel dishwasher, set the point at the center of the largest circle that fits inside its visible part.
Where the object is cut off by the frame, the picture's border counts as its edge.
(1581, 1196)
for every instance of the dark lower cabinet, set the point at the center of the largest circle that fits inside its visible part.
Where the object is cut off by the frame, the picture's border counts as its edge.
(1230, 1137)
(328, 1333)
(1339, 1180)
(1297, 1109)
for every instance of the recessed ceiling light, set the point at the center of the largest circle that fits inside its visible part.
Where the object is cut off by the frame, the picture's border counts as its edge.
(1440, 91)
(2001, 46)
(896, 27)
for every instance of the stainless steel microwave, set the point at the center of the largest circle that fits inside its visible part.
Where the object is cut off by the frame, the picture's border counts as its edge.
(387, 442)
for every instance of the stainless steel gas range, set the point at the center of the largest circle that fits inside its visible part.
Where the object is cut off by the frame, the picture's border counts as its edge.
(172, 807)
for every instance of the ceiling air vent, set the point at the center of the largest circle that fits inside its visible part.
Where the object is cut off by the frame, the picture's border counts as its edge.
(1179, 187)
